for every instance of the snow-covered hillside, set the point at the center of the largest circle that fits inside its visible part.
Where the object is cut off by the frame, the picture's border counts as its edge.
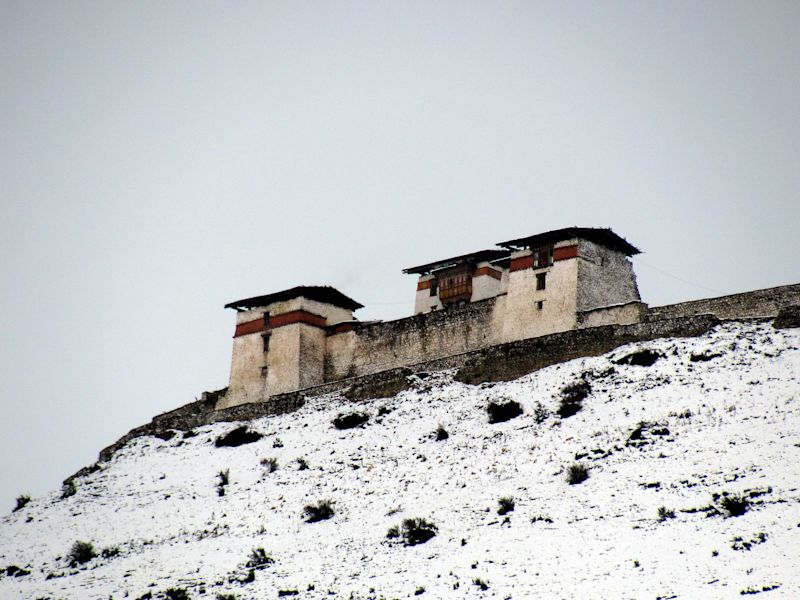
(712, 426)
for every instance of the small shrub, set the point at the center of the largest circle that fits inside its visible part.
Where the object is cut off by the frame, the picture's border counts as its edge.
(540, 413)
(224, 479)
(15, 571)
(740, 544)
(752, 591)
(282, 593)
(506, 505)
(499, 412)
(259, 559)
(572, 397)
(637, 432)
(541, 518)
(664, 513)
(269, 464)
(110, 552)
(417, 531)
(644, 433)
(393, 533)
(80, 553)
(226, 597)
(734, 505)
(320, 511)
(350, 420)
(480, 583)
(703, 357)
(569, 407)
(441, 434)
(277, 443)
(577, 473)
(177, 594)
(640, 358)
(302, 464)
(238, 437)
(419, 591)
(21, 502)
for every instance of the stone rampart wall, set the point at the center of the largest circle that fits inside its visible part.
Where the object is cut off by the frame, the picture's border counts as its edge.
(504, 362)
(759, 303)
(376, 347)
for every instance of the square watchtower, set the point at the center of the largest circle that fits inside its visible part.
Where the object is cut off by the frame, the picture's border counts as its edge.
(279, 341)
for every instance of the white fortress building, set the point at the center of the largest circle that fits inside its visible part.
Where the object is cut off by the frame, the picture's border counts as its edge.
(538, 285)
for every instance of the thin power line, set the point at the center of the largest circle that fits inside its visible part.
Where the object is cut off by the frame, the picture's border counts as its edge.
(668, 274)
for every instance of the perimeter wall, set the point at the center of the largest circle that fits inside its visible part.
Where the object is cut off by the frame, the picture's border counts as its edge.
(758, 303)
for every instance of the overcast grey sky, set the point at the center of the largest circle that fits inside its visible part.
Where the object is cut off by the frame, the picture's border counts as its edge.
(159, 159)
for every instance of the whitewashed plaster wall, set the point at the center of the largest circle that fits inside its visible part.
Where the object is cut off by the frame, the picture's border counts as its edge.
(247, 359)
(256, 373)
(333, 314)
(485, 286)
(523, 318)
(423, 301)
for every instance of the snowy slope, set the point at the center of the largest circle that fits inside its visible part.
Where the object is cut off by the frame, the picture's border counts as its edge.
(730, 424)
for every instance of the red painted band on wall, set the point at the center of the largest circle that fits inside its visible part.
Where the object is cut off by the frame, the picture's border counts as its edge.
(297, 316)
(565, 252)
(341, 328)
(487, 271)
(522, 262)
(424, 285)
(249, 327)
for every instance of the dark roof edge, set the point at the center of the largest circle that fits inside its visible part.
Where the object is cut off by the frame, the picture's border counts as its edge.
(481, 255)
(603, 236)
(320, 293)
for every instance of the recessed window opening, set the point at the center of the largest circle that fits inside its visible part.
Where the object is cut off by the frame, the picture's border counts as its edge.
(541, 281)
(540, 304)
(542, 257)
(432, 287)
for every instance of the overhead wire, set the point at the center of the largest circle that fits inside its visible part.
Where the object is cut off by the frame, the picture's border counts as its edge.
(686, 281)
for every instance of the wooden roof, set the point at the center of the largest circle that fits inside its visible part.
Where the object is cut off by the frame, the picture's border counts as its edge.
(320, 293)
(604, 237)
(473, 257)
